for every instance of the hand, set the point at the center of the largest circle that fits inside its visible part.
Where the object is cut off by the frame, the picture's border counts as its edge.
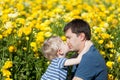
(77, 78)
(88, 44)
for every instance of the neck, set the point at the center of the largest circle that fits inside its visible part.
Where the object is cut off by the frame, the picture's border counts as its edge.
(81, 47)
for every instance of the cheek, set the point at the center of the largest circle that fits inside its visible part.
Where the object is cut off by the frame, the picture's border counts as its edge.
(68, 44)
(71, 43)
(74, 42)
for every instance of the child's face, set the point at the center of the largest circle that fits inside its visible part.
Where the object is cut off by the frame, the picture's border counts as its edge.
(64, 47)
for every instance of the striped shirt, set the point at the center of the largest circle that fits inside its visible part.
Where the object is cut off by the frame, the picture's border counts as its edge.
(56, 70)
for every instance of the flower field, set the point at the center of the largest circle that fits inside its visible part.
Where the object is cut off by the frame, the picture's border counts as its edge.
(25, 24)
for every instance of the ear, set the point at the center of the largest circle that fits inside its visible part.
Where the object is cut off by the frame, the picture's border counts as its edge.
(59, 52)
(82, 36)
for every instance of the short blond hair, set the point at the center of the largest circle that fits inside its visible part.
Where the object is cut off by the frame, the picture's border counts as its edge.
(50, 47)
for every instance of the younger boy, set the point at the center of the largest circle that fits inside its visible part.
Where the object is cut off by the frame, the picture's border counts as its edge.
(55, 50)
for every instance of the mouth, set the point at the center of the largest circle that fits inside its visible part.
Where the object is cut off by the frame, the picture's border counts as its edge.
(70, 46)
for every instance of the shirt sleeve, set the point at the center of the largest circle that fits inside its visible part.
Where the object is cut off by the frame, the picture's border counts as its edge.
(61, 62)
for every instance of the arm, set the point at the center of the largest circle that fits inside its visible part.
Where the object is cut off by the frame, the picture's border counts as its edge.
(77, 78)
(77, 60)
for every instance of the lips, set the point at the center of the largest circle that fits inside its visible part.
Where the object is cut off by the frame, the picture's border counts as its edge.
(70, 46)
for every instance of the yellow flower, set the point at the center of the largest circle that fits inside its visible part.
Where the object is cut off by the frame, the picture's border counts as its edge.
(12, 49)
(110, 18)
(4, 18)
(84, 15)
(96, 37)
(102, 53)
(118, 59)
(111, 55)
(110, 77)
(8, 25)
(1, 13)
(100, 41)
(27, 38)
(38, 26)
(8, 64)
(63, 38)
(114, 22)
(40, 34)
(35, 49)
(58, 10)
(48, 34)
(98, 29)
(105, 35)
(69, 7)
(47, 22)
(106, 25)
(7, 32)
(110, 45)
(76, 17)
(110, 64)
(41, 26)
(20, 20)
(48, 29)
(116, 78)
(112, 50)
(48, 62)
(40, 37)
(1, 36)
(19, 6)
(33, 44)
(75, 12)
(36, 55)
(8, 78)
(24, 48)
(112, 37)
(27, 30)
(13, 15)
(6, 73)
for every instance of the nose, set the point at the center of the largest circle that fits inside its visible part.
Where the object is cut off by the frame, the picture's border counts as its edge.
(67, 40)
(68, 43)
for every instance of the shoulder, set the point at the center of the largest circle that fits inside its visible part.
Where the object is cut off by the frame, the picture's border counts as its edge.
(59, 62)
(92, 53)
(59, 59)
(92, 57)
(92, 64)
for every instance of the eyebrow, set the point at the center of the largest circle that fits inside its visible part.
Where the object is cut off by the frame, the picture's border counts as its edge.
(67, 37)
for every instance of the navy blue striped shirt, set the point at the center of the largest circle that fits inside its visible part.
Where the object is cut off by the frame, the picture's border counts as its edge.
(56, 70)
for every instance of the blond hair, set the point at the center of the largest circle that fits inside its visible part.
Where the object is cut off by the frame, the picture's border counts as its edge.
(50, 47)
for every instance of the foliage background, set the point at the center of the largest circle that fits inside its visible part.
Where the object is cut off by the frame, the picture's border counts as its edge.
(25, 24)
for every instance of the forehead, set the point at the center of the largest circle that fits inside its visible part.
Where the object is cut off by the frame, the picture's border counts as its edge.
(69, 33)
(58, 39)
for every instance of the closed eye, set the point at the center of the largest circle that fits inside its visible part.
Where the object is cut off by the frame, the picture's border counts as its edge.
(67, 37)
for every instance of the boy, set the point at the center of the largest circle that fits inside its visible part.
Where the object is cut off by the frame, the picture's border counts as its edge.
(55, 50)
